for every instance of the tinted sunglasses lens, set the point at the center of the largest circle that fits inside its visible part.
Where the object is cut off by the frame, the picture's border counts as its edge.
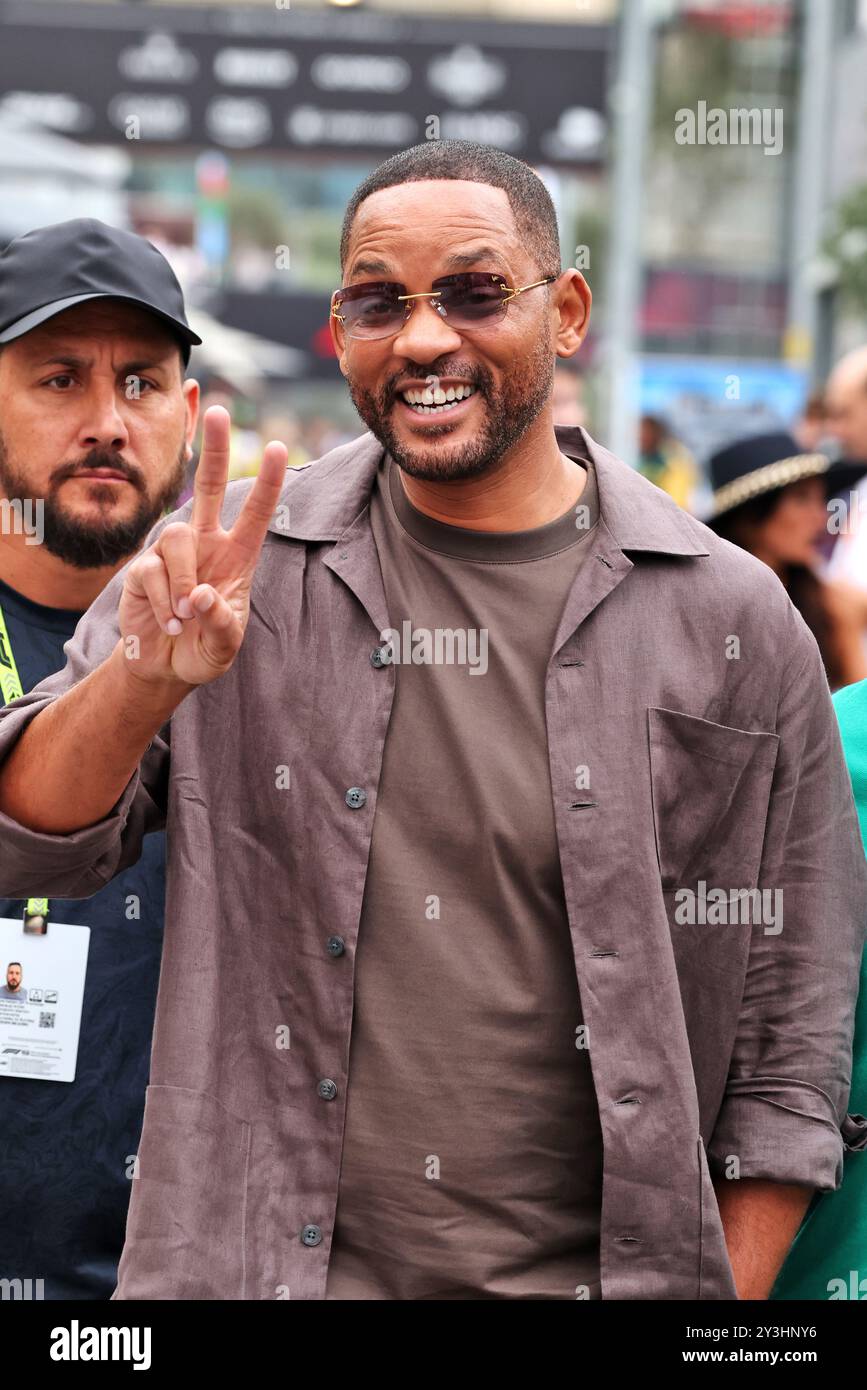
(468, 300)
(375, 313)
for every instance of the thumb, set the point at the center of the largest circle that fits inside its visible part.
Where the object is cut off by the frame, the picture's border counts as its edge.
(219, 629)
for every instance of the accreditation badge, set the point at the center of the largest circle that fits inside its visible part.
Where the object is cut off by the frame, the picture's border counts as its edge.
(42, 972)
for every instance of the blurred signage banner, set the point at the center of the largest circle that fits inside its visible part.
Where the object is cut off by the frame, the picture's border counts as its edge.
(332, 81)
(707, 402)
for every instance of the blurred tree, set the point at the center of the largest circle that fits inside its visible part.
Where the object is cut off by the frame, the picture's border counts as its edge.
(845, 248)
(255, 217)
(591, 230)
(697, 64)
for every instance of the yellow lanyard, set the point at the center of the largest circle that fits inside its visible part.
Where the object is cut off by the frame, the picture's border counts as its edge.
(10, 689)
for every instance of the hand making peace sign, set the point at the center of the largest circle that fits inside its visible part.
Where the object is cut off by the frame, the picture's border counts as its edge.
(186, 599)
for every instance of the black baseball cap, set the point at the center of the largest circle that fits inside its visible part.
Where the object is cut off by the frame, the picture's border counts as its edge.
(52, 268)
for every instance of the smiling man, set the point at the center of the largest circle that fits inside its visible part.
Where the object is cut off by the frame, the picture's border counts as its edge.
(475, 1006)
(95, 423)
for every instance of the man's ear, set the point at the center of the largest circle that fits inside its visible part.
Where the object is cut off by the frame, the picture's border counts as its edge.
(572, 300)
(338, 338)
(192, 393)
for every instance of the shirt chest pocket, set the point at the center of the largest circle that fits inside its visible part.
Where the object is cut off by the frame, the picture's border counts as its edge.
(711, 787)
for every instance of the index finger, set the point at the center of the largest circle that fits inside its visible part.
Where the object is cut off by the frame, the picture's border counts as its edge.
(212, 473)
(252, 521)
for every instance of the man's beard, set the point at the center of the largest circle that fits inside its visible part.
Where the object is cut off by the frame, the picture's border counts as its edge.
(509, 413)
(93, 544)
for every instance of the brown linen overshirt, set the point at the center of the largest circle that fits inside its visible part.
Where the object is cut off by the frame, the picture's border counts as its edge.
(684, 680)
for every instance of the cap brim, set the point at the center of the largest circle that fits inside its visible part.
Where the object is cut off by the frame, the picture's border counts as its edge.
(48, 311)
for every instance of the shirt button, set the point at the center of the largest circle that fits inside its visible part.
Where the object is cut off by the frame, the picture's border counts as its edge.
(336, 945)
(327, 1089)
(311, 1235)
(355, 798)
(380, 656)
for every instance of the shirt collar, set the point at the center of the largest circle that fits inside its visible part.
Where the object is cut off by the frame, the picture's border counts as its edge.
(320, 500)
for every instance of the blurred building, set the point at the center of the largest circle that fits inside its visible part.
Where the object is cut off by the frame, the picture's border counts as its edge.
(241, 130)
(232, 134)
(754, 252)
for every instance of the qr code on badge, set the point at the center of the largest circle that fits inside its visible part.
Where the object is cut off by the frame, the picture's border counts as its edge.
(46, 1020)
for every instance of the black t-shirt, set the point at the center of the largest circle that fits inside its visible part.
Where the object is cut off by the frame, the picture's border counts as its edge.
(67, 1148)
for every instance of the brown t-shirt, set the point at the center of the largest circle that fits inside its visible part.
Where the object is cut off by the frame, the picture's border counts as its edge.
(472, 1152)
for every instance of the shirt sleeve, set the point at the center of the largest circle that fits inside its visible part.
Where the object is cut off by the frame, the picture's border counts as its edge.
(79, 864)
(784, 1111)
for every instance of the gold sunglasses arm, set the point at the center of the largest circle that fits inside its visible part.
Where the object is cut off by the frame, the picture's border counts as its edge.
(513, 293)
(335, 308)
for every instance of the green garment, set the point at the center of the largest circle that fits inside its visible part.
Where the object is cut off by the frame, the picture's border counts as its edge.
(832, 1242)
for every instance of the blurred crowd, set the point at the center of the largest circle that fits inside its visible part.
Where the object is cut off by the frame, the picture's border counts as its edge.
(795, 498)
(306, 438)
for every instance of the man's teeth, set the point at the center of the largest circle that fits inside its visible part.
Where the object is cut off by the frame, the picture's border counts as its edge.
(434, 399)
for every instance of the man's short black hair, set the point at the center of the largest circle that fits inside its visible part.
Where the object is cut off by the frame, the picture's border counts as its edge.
(463, 159)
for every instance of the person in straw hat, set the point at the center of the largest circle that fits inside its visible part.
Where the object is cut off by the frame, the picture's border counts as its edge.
(774, 500)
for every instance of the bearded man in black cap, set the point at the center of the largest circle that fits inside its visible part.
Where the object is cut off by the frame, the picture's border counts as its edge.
(96, 424)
